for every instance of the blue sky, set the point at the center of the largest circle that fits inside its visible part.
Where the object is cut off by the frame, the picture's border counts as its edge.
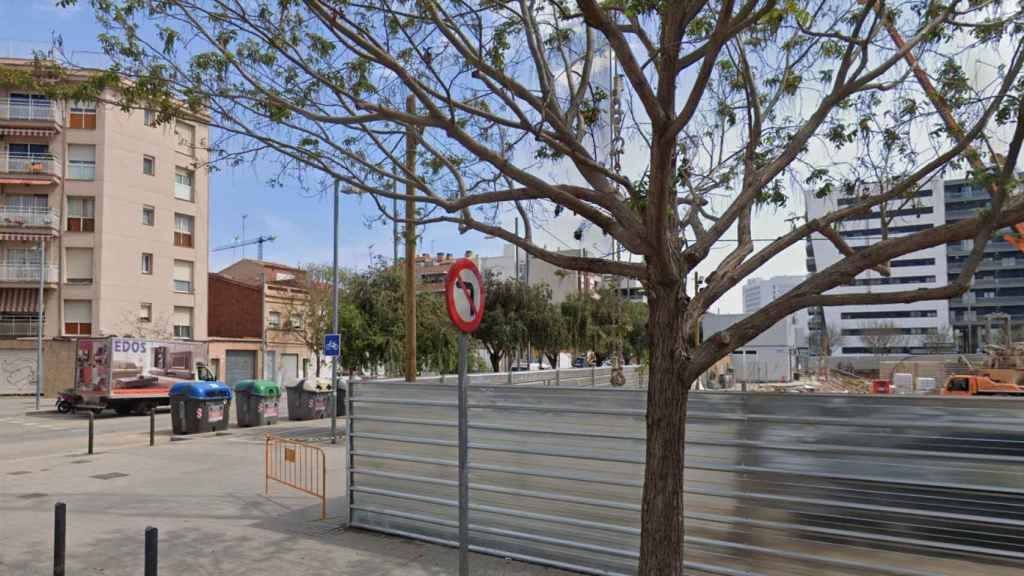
(300, 220)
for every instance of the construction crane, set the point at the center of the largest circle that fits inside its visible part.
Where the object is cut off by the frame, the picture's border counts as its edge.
(259, 240)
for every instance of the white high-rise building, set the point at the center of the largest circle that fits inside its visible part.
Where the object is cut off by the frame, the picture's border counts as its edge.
(759, 292)
(910, 324)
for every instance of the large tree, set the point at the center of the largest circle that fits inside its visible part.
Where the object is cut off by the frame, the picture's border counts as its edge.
(313, 308)
(730, 107)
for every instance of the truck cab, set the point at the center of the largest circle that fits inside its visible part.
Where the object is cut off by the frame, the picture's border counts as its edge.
(979, 385)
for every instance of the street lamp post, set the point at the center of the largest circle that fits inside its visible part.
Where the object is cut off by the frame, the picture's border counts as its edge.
(39, 322)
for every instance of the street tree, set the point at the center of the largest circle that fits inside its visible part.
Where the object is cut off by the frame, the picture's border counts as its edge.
(942, 340)
(882, 338)
(547, 331)
(313, 308)
(514, 317)
(730, 109)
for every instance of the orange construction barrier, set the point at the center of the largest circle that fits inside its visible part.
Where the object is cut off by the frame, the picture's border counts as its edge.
(298, 465)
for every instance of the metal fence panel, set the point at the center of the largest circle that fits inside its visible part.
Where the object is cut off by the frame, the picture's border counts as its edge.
(776, 484)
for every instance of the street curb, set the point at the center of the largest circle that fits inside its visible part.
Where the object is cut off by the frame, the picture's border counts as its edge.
(182, 437)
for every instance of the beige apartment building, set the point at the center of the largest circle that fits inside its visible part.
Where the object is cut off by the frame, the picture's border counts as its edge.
(120, 208)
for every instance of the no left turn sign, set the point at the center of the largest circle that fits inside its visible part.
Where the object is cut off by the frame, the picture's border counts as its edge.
(464, 292)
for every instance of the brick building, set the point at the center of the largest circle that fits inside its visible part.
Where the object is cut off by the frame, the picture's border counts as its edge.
(256, 313)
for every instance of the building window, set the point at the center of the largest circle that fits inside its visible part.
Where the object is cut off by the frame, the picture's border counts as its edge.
(147, 263)
(295, 322)
(183, 180)
(149, 166)
(77, 317)
(182, 322)
(148, 118)
(35, 203)
(183, 276)
(83, 115)
(186, 136)
(145, 312)
(274, 320)
(81, 162)
(183, 230)
(148, 215)
(30, 107)
(24, 258)
(79, 265)
(30, 158)
(81, 214)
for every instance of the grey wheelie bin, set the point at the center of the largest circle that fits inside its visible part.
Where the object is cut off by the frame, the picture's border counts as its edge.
(200, 407)
(309, 399)
(257, 402)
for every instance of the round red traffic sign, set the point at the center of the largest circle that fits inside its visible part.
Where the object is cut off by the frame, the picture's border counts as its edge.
(464, 293)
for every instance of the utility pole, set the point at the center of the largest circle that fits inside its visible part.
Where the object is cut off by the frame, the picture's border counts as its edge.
(410, 245)
(334, 321)
(394, 222)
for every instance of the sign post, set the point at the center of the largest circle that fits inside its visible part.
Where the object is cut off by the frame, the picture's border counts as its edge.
(464, 294)
(332, 349)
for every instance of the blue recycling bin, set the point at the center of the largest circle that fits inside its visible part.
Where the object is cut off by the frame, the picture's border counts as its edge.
(199, 407)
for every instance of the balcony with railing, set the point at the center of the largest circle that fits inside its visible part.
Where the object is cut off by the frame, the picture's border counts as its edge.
(30, 113)
(21, 273)
(18, 218)
(31, 166)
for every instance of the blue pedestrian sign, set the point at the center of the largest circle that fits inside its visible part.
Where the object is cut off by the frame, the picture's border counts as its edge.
(332, 345)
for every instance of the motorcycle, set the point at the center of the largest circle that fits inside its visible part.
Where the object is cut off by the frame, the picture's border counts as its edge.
(66, 402)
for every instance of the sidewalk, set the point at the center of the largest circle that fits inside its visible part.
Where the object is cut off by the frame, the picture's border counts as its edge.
(205, 495)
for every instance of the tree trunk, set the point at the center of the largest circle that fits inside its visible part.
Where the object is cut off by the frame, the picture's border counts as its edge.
(317, 364)
(495, 361)
(661, 541)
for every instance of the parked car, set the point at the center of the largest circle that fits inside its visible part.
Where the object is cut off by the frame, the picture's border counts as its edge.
(579, 362)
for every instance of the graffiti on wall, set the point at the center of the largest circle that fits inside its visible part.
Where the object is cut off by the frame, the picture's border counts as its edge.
(17, 373)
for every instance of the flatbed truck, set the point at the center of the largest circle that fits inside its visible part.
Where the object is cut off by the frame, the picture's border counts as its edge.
(133, 376)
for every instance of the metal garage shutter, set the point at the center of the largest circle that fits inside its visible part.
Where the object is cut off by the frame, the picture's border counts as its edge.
(241, 365)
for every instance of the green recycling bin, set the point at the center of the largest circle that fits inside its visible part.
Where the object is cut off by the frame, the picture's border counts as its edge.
(257, 402)
(309, 399)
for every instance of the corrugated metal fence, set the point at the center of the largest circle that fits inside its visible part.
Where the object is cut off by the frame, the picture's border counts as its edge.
(776, 484)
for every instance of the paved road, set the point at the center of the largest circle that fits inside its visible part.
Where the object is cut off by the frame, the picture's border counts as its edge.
(25, 434)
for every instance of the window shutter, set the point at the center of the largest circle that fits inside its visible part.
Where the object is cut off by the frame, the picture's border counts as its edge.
(183, 271)
(78, 311)
(81, 153)
(182, 316)
(79, 263)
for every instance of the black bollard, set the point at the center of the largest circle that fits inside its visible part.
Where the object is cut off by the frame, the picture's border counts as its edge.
(151, 547)
(92, 416)
(152, 426)
(59, 537)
